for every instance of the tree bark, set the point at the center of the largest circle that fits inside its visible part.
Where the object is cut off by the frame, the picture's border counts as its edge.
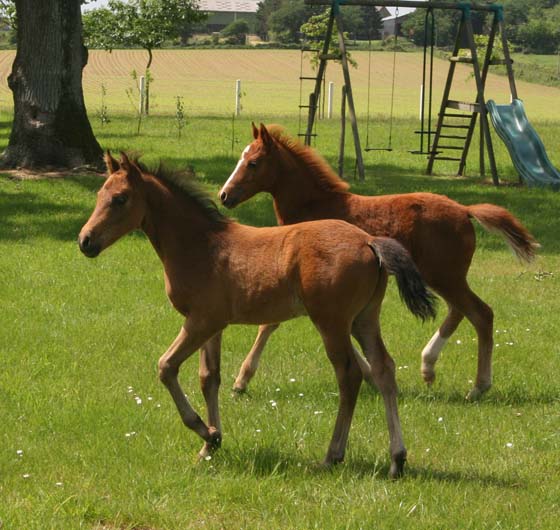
(50, 127)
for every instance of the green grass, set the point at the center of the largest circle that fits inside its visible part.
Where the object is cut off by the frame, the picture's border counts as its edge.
(80, 341)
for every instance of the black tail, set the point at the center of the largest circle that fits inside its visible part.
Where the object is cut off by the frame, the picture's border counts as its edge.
(396, 260)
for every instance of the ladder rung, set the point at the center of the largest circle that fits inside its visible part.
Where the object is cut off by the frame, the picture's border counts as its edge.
(455, 115)
(425, 132)
(455, 126)
(461, 105)
(452, 137)
(451, 147)
(456, 59)
(447, 158)
(307, 106)
(307, 78)
(304, 134)
(423, 152)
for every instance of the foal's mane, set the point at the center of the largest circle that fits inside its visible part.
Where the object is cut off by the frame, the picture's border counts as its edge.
(183, 182)
(317, 166)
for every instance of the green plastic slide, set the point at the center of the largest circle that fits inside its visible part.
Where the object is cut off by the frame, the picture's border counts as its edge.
(524, 144)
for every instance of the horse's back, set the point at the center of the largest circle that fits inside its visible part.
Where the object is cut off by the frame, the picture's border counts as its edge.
(322, 267)
(436, 230)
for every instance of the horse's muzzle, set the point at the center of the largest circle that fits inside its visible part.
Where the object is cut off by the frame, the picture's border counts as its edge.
(228, 200)
(88, 247)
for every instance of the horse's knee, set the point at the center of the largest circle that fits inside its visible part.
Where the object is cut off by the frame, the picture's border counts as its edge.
(383, 373)
(166, 371)
(209, 380)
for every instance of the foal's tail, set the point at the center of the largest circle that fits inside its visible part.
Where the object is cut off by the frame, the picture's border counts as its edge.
(396, 260)
(497, 219)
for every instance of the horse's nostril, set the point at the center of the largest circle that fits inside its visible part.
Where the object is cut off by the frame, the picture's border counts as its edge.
(223, 196)
(85, 242)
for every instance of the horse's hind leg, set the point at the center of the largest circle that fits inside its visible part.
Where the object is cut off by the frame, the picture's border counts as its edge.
(431, 351)
(209, 374)
(251, 362)
(349, 377)
(481, 316)
(367, 332)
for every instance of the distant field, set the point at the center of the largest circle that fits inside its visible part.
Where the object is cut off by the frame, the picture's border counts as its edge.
(270, 82)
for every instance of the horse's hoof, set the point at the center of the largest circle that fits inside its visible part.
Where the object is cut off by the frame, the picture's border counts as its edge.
(429, 377)
(476, 393)
(397, 465)
(237, 391)
(332, 460)
(213, 443)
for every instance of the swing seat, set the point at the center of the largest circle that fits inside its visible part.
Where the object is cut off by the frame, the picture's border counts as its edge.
(367, 149)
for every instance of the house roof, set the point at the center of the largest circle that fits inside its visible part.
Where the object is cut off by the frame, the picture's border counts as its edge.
(229, 6)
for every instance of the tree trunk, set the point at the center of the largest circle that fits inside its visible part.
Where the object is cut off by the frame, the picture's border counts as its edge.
(51, 127)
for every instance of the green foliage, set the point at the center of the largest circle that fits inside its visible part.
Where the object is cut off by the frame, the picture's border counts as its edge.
(236, 31)
(264, 11)
(145, 24)
(315, 30)
(180, 120)
(286, 21)
(8, 13)
(362, 22)
(103, 113)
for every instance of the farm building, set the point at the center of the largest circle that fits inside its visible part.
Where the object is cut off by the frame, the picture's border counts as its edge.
(391, 17)
(224, 12)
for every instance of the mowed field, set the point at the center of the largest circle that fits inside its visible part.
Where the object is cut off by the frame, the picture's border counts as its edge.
(270, 82)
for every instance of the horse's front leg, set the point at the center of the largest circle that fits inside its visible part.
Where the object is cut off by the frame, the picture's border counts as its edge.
(192, 336)
(209, 373)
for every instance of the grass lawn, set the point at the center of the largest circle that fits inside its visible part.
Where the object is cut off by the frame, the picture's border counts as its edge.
(89, 437)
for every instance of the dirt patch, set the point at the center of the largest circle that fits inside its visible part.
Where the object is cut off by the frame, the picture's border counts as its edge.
(28, 174)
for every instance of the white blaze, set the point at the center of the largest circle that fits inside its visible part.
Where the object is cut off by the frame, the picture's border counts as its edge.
(246, 150)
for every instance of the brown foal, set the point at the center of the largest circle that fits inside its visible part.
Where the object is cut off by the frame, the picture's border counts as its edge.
(436, 230)
(218, 272)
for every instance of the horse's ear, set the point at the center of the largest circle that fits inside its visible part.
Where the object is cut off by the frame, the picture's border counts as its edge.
(265, 136)
(111, 163)
(255, 130)
(128, 166)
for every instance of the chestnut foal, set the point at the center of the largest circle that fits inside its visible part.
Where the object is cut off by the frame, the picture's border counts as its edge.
(436, 230)
(218, 272)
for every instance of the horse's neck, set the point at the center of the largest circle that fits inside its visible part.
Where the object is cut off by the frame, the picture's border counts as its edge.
(174, 226)
(299, 192)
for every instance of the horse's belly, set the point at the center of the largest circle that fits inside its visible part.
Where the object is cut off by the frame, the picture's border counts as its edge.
(267, 309)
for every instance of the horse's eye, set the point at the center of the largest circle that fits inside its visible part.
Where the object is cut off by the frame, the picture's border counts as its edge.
(119, 200)
(252, 163)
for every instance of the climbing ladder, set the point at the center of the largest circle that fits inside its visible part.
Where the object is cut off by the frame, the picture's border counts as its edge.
(314, 97)
(457, 119)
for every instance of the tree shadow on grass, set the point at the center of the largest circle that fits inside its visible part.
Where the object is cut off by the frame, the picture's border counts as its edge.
(26, 215)
(537, 209)
(28, 212)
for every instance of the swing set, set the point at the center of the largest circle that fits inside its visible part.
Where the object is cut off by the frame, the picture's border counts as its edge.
(456, 119)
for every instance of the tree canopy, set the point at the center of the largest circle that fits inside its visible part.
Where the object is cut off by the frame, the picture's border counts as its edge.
(532, 26)
(146, 24)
